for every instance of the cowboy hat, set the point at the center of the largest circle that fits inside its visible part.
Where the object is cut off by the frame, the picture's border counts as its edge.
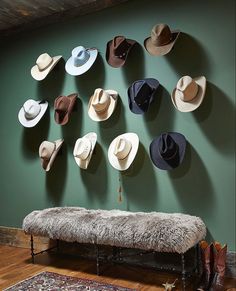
(81, 60)
(189, 93)
(63, 106)
(44, 64)
(31, 112)
(141, 94)
(167, 151)
(83, 149)
(102, 104)
(48, 151)
(123, 150)
(117, 50)
(161, 41)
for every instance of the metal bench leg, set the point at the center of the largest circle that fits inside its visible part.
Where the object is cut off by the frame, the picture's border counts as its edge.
(97, 255)
(183, 272)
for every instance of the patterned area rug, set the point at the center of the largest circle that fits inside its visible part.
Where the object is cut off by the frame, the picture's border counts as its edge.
(48, 281)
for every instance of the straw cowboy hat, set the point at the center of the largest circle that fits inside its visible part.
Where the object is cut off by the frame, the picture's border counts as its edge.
(167, 151)
(81, 60)
(189, 93)
(48, 151)
(63, 106)
(84, 148)
(123, 150)
(162, 40)
(102, 104)
(44, 64)
(117, 50)
(31, 112)
(141, 94)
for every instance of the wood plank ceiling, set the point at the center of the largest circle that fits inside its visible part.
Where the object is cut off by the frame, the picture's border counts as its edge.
(21, 15)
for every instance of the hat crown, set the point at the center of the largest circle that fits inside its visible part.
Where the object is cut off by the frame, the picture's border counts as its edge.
(44, 61)
(80, 56)
(122, 148)
(142, 92)
(101, 100)
(120, 46)
(31, 109)
(46, 149)
(187, 88)
(82, 148)
(161, 34)
(168, 148)
(62, 104)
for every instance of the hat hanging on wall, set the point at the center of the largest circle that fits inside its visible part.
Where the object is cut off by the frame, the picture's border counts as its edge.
(48, 151)
(161, 41)
(189, 93)
(122, 151)
(44, 64)
(81, 60)
(31, 112)
(63, 106)
(83, 149)
(117, 50)
(167, 150)
(102, 104)
(141, 94)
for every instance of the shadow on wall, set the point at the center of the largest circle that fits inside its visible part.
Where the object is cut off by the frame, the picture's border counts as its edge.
(33, 137)
(56, 177)
(217, 128)
(92, 79)
(51, 87)
(188, 57)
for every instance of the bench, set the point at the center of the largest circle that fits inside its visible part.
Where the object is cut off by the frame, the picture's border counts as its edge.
(148, 231)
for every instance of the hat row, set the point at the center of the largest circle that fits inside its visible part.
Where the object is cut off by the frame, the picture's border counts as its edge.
(160, 42)
(166, 151)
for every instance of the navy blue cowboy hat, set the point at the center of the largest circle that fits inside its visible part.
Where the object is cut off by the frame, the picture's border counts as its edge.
(141, 94)
(167, 150)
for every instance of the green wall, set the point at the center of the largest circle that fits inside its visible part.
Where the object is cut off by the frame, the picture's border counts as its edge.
(204, 185)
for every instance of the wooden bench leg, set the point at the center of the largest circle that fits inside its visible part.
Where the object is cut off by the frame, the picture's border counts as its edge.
(97, 255)
(32, 248)
(183, 272)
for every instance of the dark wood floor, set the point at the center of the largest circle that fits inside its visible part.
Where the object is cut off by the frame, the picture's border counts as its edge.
(15, 265)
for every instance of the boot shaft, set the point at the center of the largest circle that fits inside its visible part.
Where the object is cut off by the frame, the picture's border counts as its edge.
(219, 253)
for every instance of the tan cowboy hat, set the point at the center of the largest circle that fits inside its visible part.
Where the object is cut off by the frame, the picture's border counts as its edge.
(83, 149)
(102, 104)
(63, 106)
(162, 40)
(44, 64)
(48, 151)
(189, 93)
(123, 150)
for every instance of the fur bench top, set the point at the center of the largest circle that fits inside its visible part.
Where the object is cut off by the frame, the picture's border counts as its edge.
(161, 232)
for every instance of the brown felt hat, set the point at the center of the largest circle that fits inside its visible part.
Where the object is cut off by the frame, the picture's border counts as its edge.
(63, 106)
(117, 50)
(161, 41)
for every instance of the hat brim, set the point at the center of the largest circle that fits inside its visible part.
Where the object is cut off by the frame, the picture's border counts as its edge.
(76, 71)
(83, 164)
(124, 164)
(40, 75)
(113, 60)
(133, 106)
(158, 160)
(195, 102)
(32, 122)
(65, 119)
(161, 50)
(47, 165)
(106, 114)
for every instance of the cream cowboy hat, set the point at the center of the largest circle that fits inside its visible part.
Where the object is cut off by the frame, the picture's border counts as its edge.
(81, 60)
(123, 150)
(31, 112)
(48, 151)
(189, 93)
(83, 149)
(102, 104)
(44, 64)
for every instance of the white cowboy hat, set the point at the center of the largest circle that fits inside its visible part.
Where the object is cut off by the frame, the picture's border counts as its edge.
(44, 64)
(123, 150)
(83, 149)
(81, 60)
(102, 104)
(48, 151)
(189, 93)
(31, 112)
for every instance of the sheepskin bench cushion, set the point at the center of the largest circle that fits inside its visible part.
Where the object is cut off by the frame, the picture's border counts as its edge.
(161, 232)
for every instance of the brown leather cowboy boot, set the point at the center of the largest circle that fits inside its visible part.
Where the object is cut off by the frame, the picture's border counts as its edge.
(219, 267)
(207, 266)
